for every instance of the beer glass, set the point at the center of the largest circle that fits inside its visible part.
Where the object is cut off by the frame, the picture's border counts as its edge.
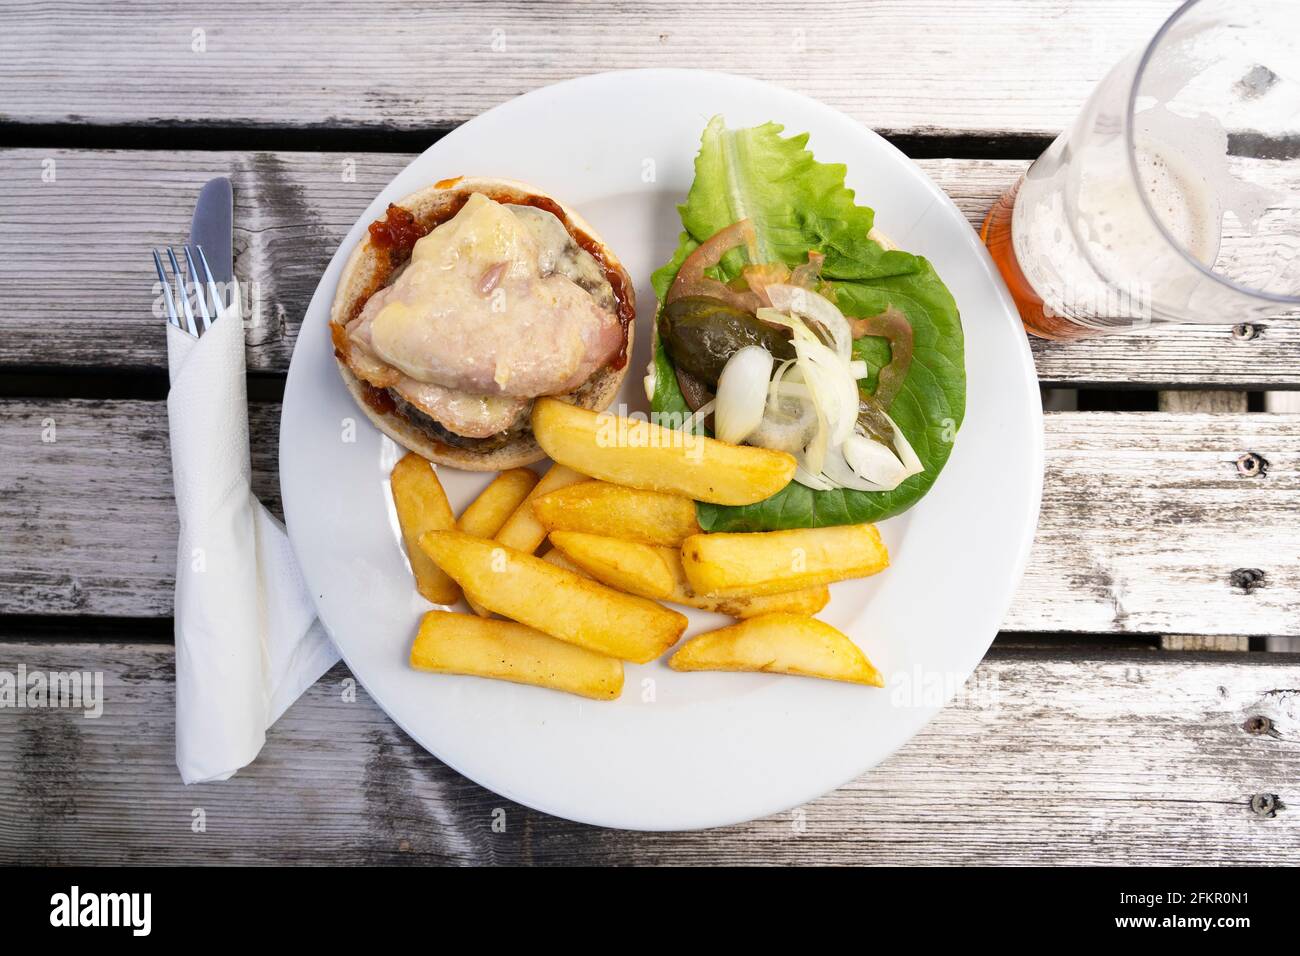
(1175, 196)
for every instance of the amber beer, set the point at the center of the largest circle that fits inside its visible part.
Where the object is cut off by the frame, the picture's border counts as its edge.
(1039, 319)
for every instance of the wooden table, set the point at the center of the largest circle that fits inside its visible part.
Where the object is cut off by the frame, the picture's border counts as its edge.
(1144, 710)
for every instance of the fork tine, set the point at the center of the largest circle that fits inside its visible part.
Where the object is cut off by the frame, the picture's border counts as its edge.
(185, 299)
(218, 298)
(167, 291)
(198, 289)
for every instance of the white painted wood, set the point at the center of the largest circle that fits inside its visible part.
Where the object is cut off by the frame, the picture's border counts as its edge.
(1147, 526)
(1283, 403)
(292, 209)
(1145, 519)
(990, 66)
(1197, 401)
(1041, 759)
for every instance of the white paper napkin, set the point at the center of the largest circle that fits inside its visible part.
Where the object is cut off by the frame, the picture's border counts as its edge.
(247, 639)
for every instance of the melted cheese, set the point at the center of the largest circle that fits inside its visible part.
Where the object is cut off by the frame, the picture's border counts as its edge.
(485, 306)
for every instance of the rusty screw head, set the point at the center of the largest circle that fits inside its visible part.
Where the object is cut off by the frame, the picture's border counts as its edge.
(1265, 804)
(1247, 578)
(1251, 465)
(1259, 724)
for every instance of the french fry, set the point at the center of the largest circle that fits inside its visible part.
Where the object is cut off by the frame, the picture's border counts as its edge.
(808, 600)
(495, 504)
(450, 643)
(779, 644)
(637, 569)
(644, 455)
(422, 506)
(630, 566)
(598, 507)
(531, 591)
(522, 531)
(769, 562)
(556, 557)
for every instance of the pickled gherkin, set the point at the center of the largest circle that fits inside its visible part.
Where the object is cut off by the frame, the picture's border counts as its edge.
(701, 334)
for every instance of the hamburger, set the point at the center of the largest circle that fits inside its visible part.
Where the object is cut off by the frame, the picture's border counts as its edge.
(465, 303)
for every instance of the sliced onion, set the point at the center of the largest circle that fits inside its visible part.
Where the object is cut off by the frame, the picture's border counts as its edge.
(742, 393)
(790, 389)
(814, 456)
(774, 390)
(823, 378)
(815, 482)
(809, 305)
(649, 381)
(874, 462)
(906, 454)
(837, 470)
(834, 388)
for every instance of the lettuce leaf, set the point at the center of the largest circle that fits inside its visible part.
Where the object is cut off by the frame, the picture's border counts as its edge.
(798, 204)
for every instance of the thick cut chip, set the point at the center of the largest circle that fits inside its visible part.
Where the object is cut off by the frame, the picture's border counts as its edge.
(422, 506)
(641, 454)
(450, 643)
(488, 513)
(531, 591)
(727, 565)
(779, 644)
(522, 531)
(656, 572)
(598, 507)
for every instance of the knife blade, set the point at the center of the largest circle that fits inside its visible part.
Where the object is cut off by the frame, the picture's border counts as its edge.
(212, 228)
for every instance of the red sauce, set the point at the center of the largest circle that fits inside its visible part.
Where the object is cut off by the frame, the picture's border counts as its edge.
(399, 231)
(377, 398)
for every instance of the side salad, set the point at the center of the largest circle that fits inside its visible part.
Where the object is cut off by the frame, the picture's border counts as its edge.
(787, 322)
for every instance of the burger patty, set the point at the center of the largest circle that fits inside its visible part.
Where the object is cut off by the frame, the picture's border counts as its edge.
(440, 433)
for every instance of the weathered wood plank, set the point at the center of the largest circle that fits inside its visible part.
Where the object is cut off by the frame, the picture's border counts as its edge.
(1286, 402)
(1149, 759)
(292, 209)
(1147, 526)
(1204, 401)
(997, 66)
(1196, 401)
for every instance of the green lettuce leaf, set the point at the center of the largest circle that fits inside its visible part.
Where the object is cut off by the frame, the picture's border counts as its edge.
(798, 204)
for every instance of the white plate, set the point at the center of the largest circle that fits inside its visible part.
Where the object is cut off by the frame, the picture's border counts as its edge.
(678, 750)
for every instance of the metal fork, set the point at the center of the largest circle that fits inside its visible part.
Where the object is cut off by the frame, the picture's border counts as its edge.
(177, 290)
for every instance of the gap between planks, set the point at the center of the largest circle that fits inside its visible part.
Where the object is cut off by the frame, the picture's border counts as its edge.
(1147, 527)
(1136, 758)
(292, 210)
